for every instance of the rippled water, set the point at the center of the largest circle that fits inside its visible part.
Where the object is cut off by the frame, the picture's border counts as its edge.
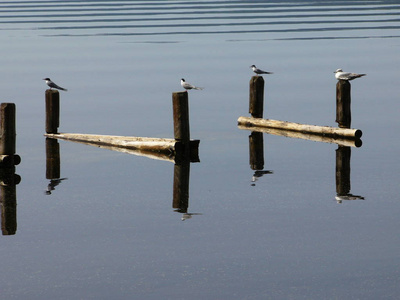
(111, 229)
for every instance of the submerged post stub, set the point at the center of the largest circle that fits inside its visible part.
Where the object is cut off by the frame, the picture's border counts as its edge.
(256, 99)
(343, 103)
(52, 111)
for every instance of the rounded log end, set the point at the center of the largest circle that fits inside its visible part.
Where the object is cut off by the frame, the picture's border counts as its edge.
(358, 133)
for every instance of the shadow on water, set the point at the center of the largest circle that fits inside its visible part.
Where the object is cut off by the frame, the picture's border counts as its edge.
(343, 155)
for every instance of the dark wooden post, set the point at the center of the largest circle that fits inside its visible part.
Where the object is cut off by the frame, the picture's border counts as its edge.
(343, 103)
(256, 100)
(180, 105)
(8, 200)
(52, 159)
(8, 158)
(52, 111)
(256, 146)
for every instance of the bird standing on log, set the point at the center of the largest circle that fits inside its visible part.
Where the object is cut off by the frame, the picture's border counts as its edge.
(259, 71)
(188, 86)
(340, 75)
(51, 84)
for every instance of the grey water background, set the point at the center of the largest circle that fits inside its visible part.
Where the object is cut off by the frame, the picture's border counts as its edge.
(109, 231)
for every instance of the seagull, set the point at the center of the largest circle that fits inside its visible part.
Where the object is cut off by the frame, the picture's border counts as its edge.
(188, 86)
(51, 84)
(258, 71)
(340, 75)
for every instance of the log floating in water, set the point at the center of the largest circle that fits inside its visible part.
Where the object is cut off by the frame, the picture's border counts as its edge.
(167, 147)
(311, 129)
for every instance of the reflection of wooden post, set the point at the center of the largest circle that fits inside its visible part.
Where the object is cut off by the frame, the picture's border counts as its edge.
(256, 101)
(343, 155)
(52, 159)
(256, 146)
(8, 200)
(52, 111)
(181, 187)
(343, 103)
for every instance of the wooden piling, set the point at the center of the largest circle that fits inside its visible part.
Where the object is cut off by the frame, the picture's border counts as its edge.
(180, 106)
(343, 155)
(343, 103)
(256, 99)
(180, 200)
(7, 129)
(52, 111)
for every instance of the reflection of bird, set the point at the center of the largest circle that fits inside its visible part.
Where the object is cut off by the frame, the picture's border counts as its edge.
(258, 174)
(340, 198)
(51, 84)
(340, 75)
(52, 185)
(186, 216)
(188, 86)
(258, 71)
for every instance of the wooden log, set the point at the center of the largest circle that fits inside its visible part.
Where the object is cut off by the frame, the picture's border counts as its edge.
(256, 148)
(180, 106)
(343, 103)
(311, 129)
(52, 111)
(256, 99)
(305, 136)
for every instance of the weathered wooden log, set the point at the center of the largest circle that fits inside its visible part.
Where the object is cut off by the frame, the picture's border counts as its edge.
(52, 111)
(250, 123)
(52, 159)
(256, 99)
(256, 148)
(180, 106)
(343, 103)
(305, 136)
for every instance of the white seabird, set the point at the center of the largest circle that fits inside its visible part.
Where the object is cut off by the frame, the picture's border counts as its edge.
(51, 84)
(259, 71)
(340, 75)
(188, 86)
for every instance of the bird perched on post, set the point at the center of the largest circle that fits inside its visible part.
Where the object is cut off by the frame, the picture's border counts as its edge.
(188, 86)
(340, 75)
(258, 71)
(51, 84)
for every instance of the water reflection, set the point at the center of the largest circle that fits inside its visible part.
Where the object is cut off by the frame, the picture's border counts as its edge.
(8, 200)
(343, 155)
(256, 149)
(52, 165)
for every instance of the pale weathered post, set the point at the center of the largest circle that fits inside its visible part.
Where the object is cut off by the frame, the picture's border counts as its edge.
(52, 111)
(256, 99)
(343, 103)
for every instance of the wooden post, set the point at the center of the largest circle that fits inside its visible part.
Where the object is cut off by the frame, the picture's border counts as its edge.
(256, 100)
(343, 103)
(7, 128)
(256, 146)
(8, 200)
(180, 105)
(52, 111)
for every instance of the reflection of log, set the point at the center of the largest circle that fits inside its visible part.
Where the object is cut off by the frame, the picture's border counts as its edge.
(256, 146)
(52, 159)
(343, 155)
(256, 99)
(52, 111)
(181, 187)
(8, 200)
(305, 136)
(311, 129)
(343, 103)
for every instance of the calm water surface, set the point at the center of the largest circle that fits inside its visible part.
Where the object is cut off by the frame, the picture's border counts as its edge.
(109, 229)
